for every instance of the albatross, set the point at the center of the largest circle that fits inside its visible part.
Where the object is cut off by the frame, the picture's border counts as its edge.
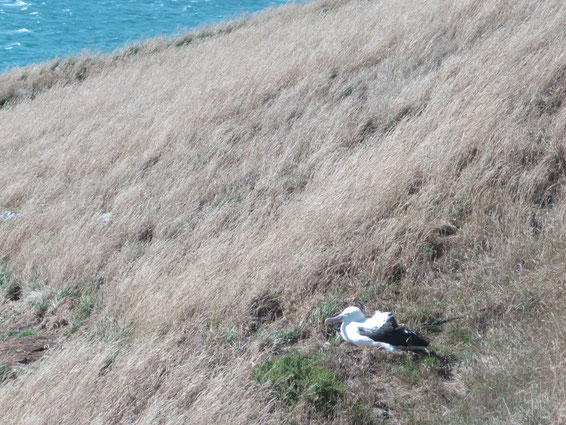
(381, 331)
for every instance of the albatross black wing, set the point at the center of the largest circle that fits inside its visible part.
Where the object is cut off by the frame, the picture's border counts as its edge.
(410, 338)
(379, 332)
(393, 334)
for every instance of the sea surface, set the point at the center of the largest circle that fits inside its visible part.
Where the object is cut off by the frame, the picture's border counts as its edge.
(38, 30)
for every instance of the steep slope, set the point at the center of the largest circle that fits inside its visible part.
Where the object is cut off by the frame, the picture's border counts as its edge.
(173, 210)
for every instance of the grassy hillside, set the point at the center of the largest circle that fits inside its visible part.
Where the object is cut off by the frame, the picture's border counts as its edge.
(178, 218)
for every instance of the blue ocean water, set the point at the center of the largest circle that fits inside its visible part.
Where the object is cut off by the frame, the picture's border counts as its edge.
(37, 30)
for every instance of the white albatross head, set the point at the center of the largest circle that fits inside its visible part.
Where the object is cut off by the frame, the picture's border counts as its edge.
(350, 314)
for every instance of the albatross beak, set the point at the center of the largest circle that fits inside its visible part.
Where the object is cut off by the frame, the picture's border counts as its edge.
(333, 320)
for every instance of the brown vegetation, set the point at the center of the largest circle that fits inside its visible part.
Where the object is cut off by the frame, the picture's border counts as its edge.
(402, 155)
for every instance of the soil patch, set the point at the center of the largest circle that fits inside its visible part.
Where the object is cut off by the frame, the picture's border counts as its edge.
(24, 350)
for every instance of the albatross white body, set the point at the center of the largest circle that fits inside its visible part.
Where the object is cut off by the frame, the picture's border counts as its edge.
(380, 331)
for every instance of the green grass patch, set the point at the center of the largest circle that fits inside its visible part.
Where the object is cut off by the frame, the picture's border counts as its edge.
(368, 289)
(391, 121)
(295, 377)
(190, 38)
(5, 278)
(417, 369)
(325, 309)
(69, 292)
(346, 91)
(19, 333)
(367, 294)
(460, 211)
(360, 414)
(7, 97)
(87, 302)
(230, 337)
(296, 183)
(277, 340)
(4, 372)
(115, 333)
(200, 161)
(108, 328)
(12, 288)
(284, 337)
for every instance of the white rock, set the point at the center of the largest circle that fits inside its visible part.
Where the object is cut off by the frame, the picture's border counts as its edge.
(25, 93)
(105, 218)
(8, 215)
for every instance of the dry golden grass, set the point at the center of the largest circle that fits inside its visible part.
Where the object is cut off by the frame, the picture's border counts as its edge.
(400, 155)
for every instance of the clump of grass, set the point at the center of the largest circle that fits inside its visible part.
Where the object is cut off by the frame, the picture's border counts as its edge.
(360, 414)
(42, 300)
(5, 278)
(190, 38)
(7, 97)
(132, 50)
(392, 120)
(70, 292)
(297, 182)
(286, 336)
(26, 332)
(346, 91)
(87, 302)
(43, 297)
(215, 320)
(184, 40)
(295, 377)
(13, 288)
(281, 338)
(4, 372)
(230, 336)
(19, 333)
(414, 370)
(39, 297)
(108, 328)
(200, 160)
(325, 310)
(460, 211)
(368, 293)
(14, 291)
